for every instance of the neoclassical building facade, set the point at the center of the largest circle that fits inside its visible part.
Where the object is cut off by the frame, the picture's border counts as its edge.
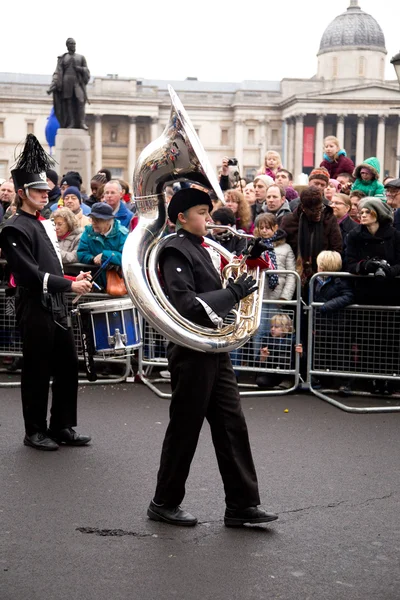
(348, 97)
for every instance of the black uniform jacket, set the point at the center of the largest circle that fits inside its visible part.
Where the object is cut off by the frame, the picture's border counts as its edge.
(30, 254)
(191, 281)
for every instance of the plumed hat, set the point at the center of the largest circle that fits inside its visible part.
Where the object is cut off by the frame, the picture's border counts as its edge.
(185, 199)
(384, 213)
(32, 164)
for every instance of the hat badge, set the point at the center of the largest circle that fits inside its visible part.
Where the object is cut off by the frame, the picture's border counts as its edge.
(42, 176)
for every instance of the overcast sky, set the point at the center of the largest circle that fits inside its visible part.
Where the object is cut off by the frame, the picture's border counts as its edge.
(160, 39)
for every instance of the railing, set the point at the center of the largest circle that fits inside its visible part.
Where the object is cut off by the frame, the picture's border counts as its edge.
(282, 367)
(360, 342)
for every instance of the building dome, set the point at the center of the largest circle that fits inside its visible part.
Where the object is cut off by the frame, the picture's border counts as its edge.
(353, 29)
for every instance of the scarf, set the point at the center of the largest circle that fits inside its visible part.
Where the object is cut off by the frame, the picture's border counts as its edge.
(336, 157)
(309, 244)
(272, 279)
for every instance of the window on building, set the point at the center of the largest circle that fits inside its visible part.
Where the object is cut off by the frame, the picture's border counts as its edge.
(141, 135)
(3, 170)
(1, 129)
(334, 67)
(361, 67)
(117, 173)
(274, 137)
(114, 134)
(30, 127)
(250, 173)
(224, 137)
(251, 137)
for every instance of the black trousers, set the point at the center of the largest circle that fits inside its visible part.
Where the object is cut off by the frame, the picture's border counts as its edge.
(204, 386)
(48, 350)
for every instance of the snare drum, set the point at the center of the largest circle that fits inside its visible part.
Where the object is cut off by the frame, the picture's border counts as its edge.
(113, 325)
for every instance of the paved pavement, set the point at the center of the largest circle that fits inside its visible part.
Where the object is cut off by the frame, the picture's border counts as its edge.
(73, 523)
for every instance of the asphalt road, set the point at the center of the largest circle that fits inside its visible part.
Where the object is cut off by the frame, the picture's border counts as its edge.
(73, 523)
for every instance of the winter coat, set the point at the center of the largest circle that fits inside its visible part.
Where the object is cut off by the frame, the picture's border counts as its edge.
(335, 292)
(384, 245)
(69, 246)
(342, 164)
(332, 235)
(124, 215)
(82, 219)
(286, 262)
(373, 187)
(280, 213)
(346, 225)
(91, 244)
(396, 221)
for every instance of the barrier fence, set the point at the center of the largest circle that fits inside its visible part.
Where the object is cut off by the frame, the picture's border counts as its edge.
(277, 374)
(356, 346)
(10, 341)
(360, 342)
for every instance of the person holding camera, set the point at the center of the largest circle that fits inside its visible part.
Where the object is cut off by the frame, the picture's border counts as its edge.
(229, 174)
(374, 247)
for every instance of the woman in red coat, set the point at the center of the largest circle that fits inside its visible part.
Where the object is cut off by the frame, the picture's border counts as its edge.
(335, 159)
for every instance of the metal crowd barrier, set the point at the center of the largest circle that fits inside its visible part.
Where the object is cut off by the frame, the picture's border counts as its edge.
(10, 341)
(360, 342)
(245, 360)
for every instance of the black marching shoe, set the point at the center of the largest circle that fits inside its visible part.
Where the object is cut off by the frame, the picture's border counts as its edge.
(40, 441)
(237, 517)
(69, 437)
(172, 516)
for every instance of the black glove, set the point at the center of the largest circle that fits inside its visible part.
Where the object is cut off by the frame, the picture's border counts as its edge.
(371, 265)
(242, 287)
(257, 249)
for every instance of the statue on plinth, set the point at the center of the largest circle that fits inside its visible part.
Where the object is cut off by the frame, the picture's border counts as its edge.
(68, 87)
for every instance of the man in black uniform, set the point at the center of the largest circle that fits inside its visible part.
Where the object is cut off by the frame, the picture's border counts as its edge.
(29, 244)
(203, 384)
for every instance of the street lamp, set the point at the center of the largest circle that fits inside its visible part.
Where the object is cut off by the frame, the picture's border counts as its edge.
(396, 63)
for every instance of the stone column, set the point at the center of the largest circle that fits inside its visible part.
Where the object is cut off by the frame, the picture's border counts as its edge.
(340, 130)
(319, 140)
(131, 148)
(290, 149)
(380, 143)
(98, 144)
(298, 152)
(239, 142)
(397, 174)
(360, 139)
(263, 139)
(154, 129)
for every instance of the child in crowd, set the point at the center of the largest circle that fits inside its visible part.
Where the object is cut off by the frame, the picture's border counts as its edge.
(333, 344)
(281, 254)
(335, 159)
(272, 164)
(277, 352)
(367, 178)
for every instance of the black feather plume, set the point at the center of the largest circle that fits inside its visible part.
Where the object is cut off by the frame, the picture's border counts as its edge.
(33, 158)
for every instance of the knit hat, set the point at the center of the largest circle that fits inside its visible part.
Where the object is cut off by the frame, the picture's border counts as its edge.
(101, 210)
(72, 178)
(394, 183)
(372, 164)
(265, 179)
(319, 173)
(52, 175)
(334, 183)
(185, 199)
(72, 190)
(383, 211)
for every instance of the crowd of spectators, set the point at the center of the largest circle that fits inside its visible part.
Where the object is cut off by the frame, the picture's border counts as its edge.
(344, 209)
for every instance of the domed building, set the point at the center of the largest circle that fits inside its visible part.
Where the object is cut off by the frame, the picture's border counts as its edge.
(348, 97)
(352, 48)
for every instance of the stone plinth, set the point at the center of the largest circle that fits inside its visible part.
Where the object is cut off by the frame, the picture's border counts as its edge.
(72, 153)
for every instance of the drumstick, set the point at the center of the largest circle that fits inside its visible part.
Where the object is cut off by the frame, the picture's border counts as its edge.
(103, 266)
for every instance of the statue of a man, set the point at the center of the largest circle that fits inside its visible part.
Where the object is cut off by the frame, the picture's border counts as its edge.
(68, 87)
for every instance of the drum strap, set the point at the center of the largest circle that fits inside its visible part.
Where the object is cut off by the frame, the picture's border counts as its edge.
(87, 344)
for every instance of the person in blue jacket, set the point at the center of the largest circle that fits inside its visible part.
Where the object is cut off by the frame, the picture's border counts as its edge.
(103, 239)
(113, 194)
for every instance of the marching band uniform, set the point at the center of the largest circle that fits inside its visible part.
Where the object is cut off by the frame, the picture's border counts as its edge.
(29, 244)
(203, 384)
